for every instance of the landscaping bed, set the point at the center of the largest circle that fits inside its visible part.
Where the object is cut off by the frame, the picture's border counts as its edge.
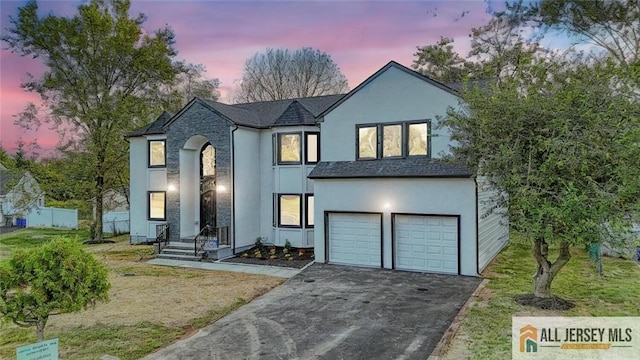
(274, 256)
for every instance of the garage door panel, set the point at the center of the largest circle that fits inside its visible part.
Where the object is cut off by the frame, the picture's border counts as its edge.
(354, 239)
(426, 243)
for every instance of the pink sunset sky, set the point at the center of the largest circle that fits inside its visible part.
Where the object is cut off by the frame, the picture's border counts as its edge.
(361, 37)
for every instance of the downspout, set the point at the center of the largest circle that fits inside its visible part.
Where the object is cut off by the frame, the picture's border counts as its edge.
(233, 189)
(475, 181)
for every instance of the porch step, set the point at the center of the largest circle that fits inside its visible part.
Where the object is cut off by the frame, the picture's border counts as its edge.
(182, 250)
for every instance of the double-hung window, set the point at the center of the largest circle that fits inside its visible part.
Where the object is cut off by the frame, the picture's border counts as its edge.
(392, 140)
(157, 153)
(157, 205)
(289, 148)
(289, 210)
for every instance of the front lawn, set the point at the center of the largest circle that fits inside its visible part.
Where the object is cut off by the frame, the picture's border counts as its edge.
(486, 331)
(150, 306)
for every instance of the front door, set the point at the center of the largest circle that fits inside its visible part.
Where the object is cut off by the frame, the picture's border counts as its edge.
(208, 186)
(208, 202)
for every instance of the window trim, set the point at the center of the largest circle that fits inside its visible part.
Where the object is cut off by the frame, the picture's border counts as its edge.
(164, 164)
(149, 206)
(278, 139)
(405, 139)
(306, 211)
(306, 147)
(358, 127)
(280, 225)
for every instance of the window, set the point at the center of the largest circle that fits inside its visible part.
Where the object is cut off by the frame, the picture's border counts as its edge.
(312, 148)
(157, 205)
(418, 142)
(392, 140)
(398, 140)
(290, 209)
(289, 148)
(309, 211)
(208, 161)
(367, 142)
(157, 156)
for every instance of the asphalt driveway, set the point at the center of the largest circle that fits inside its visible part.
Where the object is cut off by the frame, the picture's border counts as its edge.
(335, 312)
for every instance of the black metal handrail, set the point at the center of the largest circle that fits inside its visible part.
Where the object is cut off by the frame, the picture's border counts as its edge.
(218, 236)
(162, 236)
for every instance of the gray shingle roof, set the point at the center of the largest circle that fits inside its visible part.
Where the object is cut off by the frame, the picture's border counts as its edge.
(154, 127)
(262, 115)
(279, 112)
(412, 168)
(236, 114)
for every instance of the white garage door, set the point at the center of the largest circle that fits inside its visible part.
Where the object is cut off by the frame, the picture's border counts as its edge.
(354, 239)
(426, 243)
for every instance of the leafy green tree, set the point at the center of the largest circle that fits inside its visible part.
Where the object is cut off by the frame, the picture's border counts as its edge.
(497, 49)
(58, 277)
(559, 140)
(105, 76)
(610, 25)
(440, 62)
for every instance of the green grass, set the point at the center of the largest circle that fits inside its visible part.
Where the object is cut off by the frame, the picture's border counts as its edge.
(124, 342)
(488, 325)
(33, 237)
(92, 342)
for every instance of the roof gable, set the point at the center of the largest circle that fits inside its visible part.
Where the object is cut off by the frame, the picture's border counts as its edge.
(391, 64)
(154, 127)
(295, 114)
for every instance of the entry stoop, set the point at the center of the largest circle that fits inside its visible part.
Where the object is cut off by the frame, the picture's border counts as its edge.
(184, 250)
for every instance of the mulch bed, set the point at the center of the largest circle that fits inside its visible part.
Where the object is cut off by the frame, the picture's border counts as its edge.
(552, 303)
(274, 256)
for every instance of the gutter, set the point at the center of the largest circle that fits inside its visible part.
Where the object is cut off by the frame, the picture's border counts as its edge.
(233, 189)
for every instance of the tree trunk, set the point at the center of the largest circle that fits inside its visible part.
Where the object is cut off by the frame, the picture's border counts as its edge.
(547, 271)
(42, 322)
(97, 230)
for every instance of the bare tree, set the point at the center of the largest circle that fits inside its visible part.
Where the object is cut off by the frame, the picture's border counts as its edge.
(280, 74)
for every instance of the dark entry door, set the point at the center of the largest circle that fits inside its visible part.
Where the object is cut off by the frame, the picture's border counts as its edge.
(208, 186)
(207, 202)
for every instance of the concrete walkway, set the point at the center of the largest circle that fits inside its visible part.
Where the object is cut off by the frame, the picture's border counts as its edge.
(276, 271)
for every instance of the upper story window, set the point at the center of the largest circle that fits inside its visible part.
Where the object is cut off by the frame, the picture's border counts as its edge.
(367, 142)
(394, 140)
(288, 148)
(312, 147)
(157, 154)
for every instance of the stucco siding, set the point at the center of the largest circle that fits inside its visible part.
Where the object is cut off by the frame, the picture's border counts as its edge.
(416, 196)
(266, 186)
(493, 226)
(391, 97)
(138, 186)
(247, 177)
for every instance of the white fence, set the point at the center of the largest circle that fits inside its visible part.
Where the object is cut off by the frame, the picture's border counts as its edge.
(115, 222)
(53, 217)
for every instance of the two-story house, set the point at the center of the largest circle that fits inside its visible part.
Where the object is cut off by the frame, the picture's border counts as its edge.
(355, 176)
